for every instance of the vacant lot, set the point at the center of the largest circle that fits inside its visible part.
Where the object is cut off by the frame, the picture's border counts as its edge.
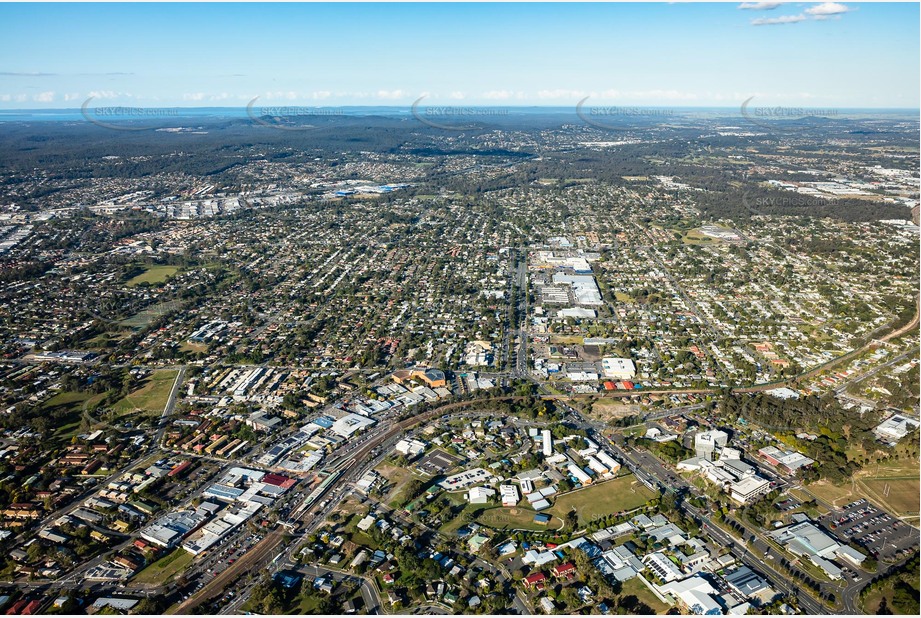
(611, 409)
(621, 494)
(149, 315)
(153, 274)
(634, 587)
(161, 571)
(566, 340)
(696, 237)
(515, 518)
(900, 499)
(398, 477)
(151, 397)
(834, 495)
(66, 407)
(897, 495)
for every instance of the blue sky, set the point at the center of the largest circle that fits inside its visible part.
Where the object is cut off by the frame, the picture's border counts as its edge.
(812, 54)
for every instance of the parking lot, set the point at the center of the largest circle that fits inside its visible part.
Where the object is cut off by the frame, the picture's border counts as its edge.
(437, 462)
(884, 536)
(789, 504)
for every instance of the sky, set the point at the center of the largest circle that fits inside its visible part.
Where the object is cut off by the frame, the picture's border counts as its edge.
(807, 54)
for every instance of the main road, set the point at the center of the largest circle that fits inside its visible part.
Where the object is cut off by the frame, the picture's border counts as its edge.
(312, 513)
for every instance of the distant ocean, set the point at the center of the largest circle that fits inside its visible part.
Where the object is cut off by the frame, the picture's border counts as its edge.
(76, 115)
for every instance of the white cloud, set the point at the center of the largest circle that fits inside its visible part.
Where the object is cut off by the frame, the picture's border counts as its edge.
(71, 96)
(193, 96)
(827, 9)
(107, 94)
(322, 94)
(391, 94)
(775, 21)
(667, 95)
(610, 93)
(44, 97)
(760, 6)
(561, 94)
(6, 97)
(498, 95)
(457, 95)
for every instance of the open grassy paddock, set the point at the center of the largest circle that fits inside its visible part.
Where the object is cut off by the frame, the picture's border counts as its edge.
(901, 498)
(398, 477)
(620, 494)
(634, 587)
(151, 397)
(898, 495)
(515, 518)
(153, 274)
(164, 569)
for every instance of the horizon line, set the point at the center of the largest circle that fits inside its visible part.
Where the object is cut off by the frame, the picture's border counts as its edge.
(410, 106)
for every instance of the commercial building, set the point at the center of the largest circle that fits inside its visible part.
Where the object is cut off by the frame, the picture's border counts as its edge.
(509, 495)
(618, 368)
(170, 529)
(547, 443)
(895, 428)
(596, 465)
(584, 289)
(433, 378)
(695, 594)
(748, 489)
(806, 540)
(611, 463)
(410, 448)
(708, 443)
(784, 460)
(664, 568)
(746, 582)
(351, 424)
(480, 495)
(582, 372)
(579, 474)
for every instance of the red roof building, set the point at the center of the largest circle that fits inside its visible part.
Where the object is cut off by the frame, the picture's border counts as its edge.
(24, 607)
(180, 468)
(567, 570)
(278, 480)
(535, 580)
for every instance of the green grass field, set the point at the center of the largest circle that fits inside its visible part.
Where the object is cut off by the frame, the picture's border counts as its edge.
(902, 496)
(153, 274)
(634, 587)
(515, 518)
(144, 318)
(621, 494)
(151, 397)
(71, 404)
(901, 477)
(695, 237)
(566, 339)
(164, 569)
